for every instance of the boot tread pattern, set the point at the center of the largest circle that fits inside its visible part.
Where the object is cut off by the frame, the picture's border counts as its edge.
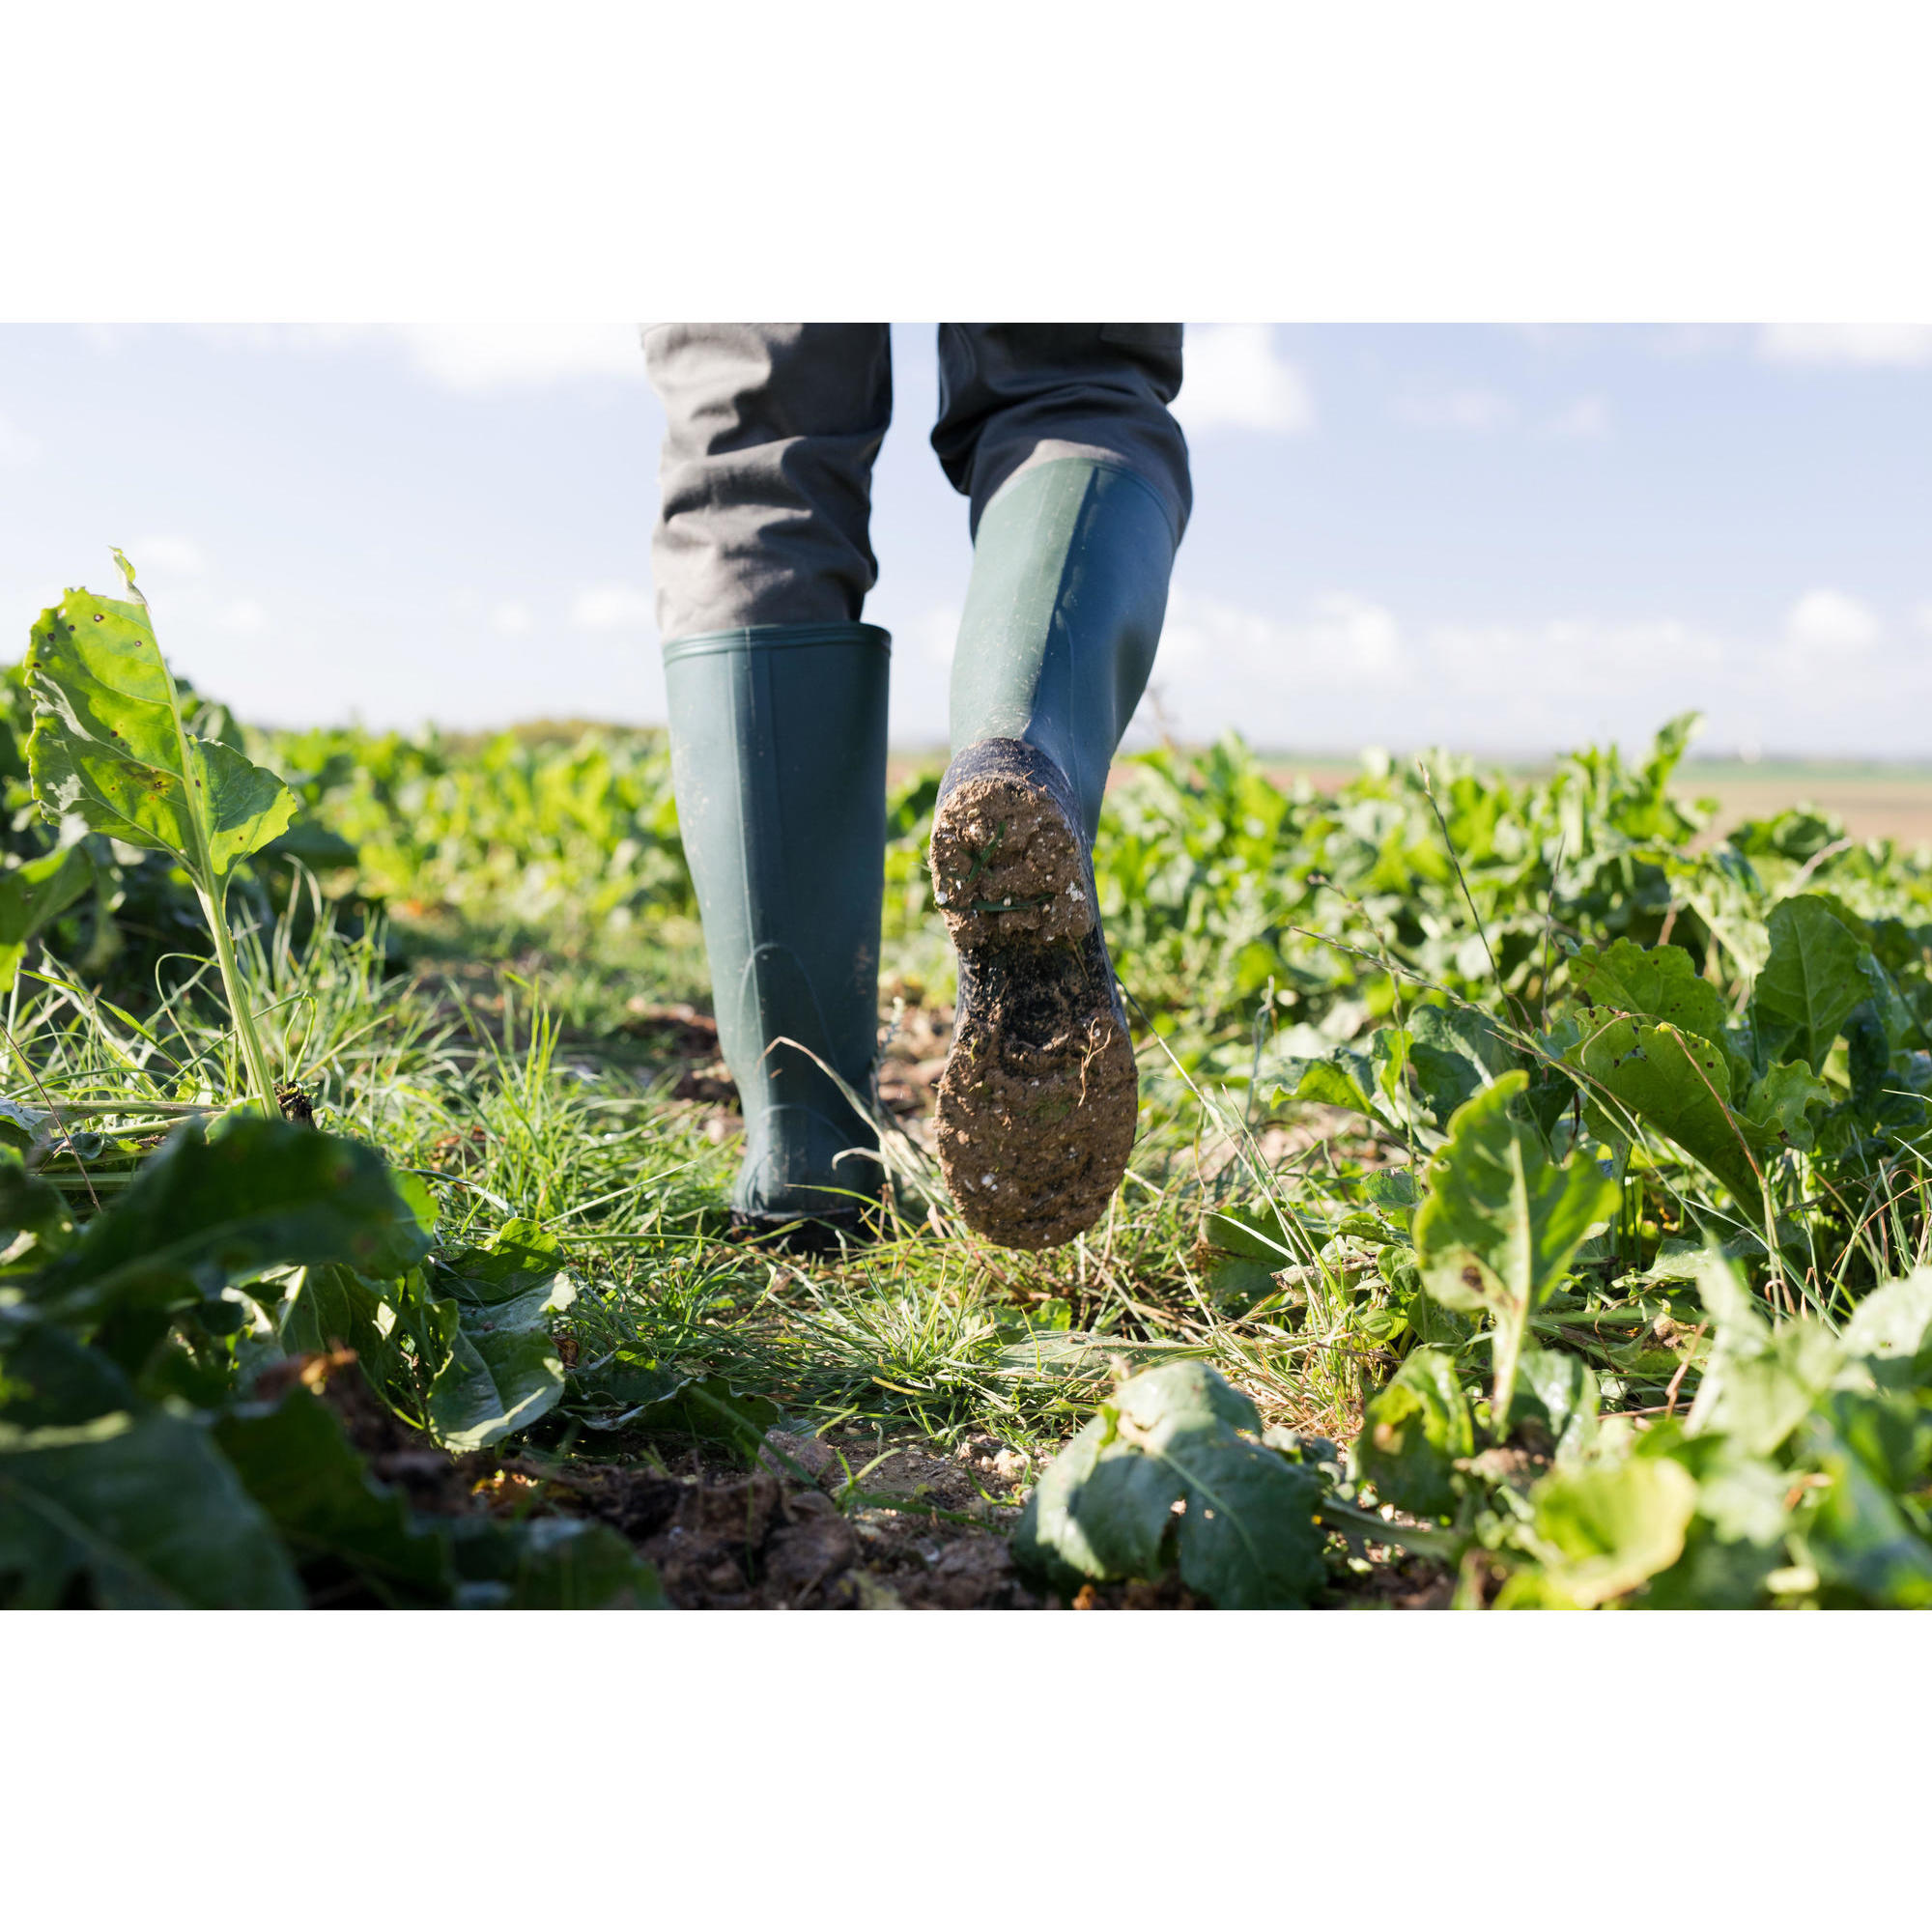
(1039, 1099)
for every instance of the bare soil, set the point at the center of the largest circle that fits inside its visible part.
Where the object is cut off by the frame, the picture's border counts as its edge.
(819, 1524)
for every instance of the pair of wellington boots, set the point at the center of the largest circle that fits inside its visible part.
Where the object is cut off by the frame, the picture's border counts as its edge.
(779, 762)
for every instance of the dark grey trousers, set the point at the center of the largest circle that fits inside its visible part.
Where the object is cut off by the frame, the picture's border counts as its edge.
(772, 429)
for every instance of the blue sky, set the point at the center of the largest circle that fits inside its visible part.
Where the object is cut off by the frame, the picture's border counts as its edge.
(1501, 539)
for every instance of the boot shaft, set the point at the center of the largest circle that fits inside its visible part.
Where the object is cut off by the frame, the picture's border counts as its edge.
(1062, 615)
(779, 764)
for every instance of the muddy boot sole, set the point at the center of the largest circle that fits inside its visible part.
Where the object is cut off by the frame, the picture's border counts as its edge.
(1039, 1099)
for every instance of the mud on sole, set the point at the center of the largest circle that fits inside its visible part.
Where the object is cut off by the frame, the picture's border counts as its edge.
(1007, 865)
(1039, 1099)
(1034, 1144)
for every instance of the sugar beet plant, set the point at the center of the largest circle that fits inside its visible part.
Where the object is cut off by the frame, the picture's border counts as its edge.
(163, 1436)
(111, 749)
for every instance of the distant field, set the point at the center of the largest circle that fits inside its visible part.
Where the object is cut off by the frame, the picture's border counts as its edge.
(1874, 801)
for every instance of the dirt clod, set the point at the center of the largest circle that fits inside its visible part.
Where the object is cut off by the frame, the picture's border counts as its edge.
(1007, 867)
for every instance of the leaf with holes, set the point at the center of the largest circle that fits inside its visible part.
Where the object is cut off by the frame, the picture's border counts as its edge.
(1654, 982)
(1675, 1082)
(110, 743)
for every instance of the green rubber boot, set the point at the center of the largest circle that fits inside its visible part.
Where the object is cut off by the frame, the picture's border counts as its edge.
(779, 762)
(1039, 1099)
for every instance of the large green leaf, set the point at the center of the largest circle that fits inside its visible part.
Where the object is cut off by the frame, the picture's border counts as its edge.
(211, 1210)
(1810, 983)
(110, 745)
(503, 1370)
(1413, 1433)
(1246, 1536)
(354, 1538)
(1737, 1539)
(549, 1563)
(1677, 1082)
(33, 893)
(1565, 1389)
(1608, 1528)
(334, 1307)
(1776, 1112)
(1760, 1382)
(133, 1513)
(1656, 982)
(346, 1533)
(1365, 1083)
(1890, 1332)
(1456, 1053)
(28, 1204)
(1051, 1540)
(619, 1388)
(1502, 1221)
(1255, 1231)
(50, 1381)
(1345, 1078)
(1866, 1549)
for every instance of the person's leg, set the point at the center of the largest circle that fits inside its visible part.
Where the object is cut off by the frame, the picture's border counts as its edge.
(778, 722)
(1077, 473)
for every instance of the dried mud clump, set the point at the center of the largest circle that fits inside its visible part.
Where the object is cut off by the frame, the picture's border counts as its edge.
(1007, 865)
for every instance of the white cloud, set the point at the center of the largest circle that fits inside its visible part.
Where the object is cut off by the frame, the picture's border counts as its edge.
(1848, 345)
(18, 449)
(1218, 656)
(1589, 417)
(512, 619)
(1478, 410)
(167, 556)
(1233, 379)
(1922, 617)
(243, 616)
(612, 606)
(1827, 631)
(1348, 669)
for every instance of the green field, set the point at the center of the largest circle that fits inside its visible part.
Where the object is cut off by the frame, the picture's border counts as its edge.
(1529, 1192)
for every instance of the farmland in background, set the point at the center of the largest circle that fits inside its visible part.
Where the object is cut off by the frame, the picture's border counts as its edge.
(1875, 801)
